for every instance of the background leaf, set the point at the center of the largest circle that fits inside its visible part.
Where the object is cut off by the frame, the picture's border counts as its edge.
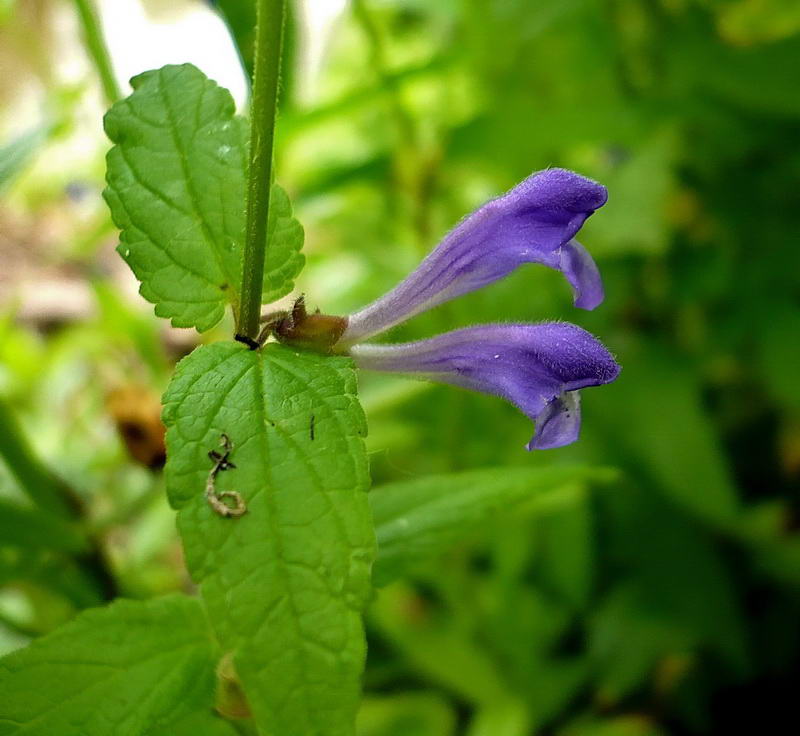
(133, 668)
(679, 456)
(416, 519)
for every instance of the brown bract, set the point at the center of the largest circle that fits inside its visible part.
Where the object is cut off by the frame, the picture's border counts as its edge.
(318, 332)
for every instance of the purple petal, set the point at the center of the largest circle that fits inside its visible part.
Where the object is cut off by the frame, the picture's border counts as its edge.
(533, 223)
(559, 423)
(583, 275)
(532, 366)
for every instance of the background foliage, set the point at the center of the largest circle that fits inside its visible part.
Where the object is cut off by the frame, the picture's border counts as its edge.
(656, 590)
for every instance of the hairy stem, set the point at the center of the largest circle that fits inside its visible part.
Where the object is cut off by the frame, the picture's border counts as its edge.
(269, 38)
(98, 51)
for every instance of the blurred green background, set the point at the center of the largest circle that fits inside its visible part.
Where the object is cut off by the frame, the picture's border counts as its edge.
(661, 597)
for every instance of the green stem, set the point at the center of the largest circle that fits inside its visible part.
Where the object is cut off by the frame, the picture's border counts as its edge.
(98, 51)
(33, 477)
(19, 627)
(417, 167)
(50, 494)
(403, 118)
(269, 38)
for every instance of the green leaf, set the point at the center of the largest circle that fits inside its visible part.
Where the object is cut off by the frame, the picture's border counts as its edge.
(665, 435)
(635, 218)
(508, 717)
(130, 669)
(628, 640)
(203, 723)
(755, 77)
(779, 352)
(436, 647)
(176, 190)
(564, 541)
(285, 236)
(625, 725)
(285, 584)
(417, 519)
(677, 599)
(417, 713)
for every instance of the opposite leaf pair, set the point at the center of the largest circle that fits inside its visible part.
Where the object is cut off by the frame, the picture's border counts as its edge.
(538, 367)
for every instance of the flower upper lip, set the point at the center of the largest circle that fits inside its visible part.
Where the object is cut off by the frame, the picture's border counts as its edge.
(535, 222)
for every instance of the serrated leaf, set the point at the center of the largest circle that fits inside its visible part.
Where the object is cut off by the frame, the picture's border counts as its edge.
(285, 237)
(176, 190)
(130, 669)
(284, 584)
(414, 520)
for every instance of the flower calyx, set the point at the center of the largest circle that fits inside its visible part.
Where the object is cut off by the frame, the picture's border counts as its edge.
(299, 328)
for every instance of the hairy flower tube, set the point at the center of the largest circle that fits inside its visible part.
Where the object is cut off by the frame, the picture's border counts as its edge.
(538, 367)
(535, 222)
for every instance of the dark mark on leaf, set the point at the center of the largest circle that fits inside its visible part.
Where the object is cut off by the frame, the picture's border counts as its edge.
(216, 499)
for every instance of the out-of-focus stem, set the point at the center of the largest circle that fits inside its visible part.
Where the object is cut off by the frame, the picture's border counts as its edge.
(416, 164)
(52, 496)
(98, 50)
(404, 119)
(31, 475)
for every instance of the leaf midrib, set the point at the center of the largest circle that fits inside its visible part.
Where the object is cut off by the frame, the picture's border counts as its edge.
(276, 535)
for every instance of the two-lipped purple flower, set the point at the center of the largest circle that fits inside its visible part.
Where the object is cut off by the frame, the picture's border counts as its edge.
(538, 367)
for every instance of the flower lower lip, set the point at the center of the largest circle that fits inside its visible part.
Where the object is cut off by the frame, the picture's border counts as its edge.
(531, 365)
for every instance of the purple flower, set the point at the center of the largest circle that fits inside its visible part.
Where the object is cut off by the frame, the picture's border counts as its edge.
(538, 367)
(533, 223)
